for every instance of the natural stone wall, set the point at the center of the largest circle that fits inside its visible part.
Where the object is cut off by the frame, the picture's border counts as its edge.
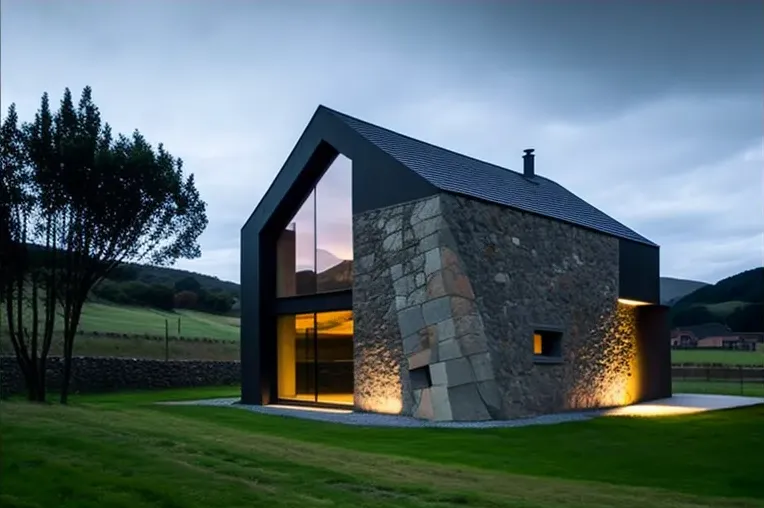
(530, 273)
(101, 374)
(448, 293)
(417, 329)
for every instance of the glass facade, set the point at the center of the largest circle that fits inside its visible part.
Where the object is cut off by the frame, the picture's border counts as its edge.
(315, 357)
(314, 256)
(315, 251)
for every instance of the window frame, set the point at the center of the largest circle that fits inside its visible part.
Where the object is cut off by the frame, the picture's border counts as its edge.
(551, 333)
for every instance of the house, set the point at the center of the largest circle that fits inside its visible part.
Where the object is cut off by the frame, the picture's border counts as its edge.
(692, 336)
(738, 341)
(389, 275)
(689, 336)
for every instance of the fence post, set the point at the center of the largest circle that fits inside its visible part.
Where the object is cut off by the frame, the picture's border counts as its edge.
(178, 327)
(166, 340)
(740, 373)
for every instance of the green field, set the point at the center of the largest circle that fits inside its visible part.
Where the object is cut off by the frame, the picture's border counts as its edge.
(127, 328)
(106, 318)
(124, 451)
(724, 309)
(722, 356)
(747, 389)
(101, 317)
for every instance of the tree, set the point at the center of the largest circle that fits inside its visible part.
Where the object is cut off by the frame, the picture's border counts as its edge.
(91, 202)
(692, 316)
(747, 318)
(186, 300)
(188, 284)
(21, 287)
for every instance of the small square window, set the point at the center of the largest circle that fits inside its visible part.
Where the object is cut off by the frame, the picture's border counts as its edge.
(547, 345)
(420, 378)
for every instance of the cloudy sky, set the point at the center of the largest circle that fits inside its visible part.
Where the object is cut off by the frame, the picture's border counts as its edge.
(650, 110)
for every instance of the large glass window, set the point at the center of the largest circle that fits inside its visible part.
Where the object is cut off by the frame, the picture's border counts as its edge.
(296, 257)
(315, 357)
(315, 251)
(334, 228)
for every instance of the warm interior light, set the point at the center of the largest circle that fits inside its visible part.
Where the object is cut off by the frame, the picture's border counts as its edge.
(634, 303)
(312, 408)
(537, 349)
(652, 410)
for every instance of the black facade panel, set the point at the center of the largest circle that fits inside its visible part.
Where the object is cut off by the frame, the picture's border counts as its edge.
(379, 183)
(249, 344)
(639, 272)
(378, 180)
(654, 351)
(322, 302)
(266, 325)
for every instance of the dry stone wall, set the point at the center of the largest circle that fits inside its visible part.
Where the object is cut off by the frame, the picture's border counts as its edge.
(102, 374)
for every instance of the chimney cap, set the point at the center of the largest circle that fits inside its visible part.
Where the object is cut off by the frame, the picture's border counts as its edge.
(528, 151)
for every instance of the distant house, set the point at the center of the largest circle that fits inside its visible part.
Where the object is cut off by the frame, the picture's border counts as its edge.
(688, 336)
(385, 274)
(714, 335)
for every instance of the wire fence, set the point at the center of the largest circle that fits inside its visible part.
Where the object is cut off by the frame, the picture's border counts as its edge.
(726, 379)
(169, 342)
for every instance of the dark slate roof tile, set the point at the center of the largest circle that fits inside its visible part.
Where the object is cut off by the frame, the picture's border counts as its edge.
(460, 174)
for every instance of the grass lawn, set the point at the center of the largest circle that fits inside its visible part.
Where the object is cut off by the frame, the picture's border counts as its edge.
(137, 322)
(122, 450)
(728, 357)
(748, 389)
(140, 347)
(101, 317)
(724, 308)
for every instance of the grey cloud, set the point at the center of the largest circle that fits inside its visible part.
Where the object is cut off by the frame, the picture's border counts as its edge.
(650, 110)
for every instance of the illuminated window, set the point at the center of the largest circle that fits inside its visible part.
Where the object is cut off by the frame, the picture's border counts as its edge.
(547, 345)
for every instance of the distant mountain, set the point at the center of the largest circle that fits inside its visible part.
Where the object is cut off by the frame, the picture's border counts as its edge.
(747, 287)
(736, 302)
(335, 278)
(673, 289)
(324, 261)
(161, 275)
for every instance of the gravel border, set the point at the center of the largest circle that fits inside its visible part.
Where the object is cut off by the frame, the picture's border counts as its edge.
(383, 420)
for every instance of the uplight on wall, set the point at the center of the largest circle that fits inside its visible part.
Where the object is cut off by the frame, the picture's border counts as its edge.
(632, 303)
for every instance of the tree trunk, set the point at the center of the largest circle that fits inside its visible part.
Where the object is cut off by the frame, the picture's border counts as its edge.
(70, 332)
(67, 374)
(31, 380)
(41, 379)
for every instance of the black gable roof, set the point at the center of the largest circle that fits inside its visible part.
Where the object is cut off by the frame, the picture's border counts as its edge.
(460, 174)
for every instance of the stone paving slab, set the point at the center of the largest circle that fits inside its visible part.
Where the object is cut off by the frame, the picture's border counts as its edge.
(681, 403)
(685, 403)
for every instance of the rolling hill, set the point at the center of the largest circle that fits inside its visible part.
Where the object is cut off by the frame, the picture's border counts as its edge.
(737, 301)
(673, 289)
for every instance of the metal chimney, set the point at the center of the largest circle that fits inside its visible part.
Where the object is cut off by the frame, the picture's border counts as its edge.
(529, 170)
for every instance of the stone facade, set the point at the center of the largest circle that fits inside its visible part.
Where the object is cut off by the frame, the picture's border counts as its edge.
(533, 273)
(101, 374)
(448, 293)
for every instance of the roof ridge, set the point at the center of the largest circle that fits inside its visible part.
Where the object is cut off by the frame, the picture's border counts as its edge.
(451, 171)
(491, 164)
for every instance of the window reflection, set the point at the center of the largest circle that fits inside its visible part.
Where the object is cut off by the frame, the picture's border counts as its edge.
(296, 261)
(315, 251)
(334, 228)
